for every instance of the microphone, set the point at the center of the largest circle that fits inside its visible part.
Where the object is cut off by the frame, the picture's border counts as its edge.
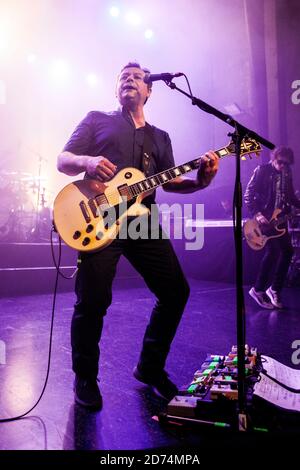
(153, 77)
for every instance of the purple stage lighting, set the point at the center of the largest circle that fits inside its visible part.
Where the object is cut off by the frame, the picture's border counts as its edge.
(114, 11)
(59, 71)
(148, 33)
(92, 80)
(133, 18)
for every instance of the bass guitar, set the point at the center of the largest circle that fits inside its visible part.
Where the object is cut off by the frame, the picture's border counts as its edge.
(257, 234)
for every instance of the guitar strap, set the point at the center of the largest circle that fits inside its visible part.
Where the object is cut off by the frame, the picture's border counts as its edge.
(147, 148)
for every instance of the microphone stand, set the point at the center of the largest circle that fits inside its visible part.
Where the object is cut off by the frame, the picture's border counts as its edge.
(240, 132)
(35, 233)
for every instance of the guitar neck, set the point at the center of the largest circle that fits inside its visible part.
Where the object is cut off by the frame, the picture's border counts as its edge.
(165, 176)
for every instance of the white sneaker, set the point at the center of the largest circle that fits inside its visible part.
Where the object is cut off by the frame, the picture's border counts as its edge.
(261, 299)
(274, 296)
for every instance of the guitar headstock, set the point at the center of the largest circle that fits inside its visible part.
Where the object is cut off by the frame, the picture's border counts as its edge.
(249, 146)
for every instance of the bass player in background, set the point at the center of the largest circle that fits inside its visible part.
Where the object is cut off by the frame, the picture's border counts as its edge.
(271, 187)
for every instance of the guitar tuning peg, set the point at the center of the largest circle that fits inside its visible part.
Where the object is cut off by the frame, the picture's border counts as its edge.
(243, 157)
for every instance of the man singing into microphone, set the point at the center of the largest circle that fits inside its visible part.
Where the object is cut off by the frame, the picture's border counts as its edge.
(101, 145)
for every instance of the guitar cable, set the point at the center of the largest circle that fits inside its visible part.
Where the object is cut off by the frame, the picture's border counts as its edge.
(58, 273)
(57, 264)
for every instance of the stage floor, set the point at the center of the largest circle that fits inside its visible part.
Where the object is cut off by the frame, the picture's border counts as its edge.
(208, 326)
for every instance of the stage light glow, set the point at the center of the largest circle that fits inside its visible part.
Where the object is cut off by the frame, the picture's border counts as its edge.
(148, 33)
(59, 70)
(133, 18)
(114, 11)
(9, 33)
(3, 45)
(5, 38)
(2, 92)
(31, 58)
(92, 80)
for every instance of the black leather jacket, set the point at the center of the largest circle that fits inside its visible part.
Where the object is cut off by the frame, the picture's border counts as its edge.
(260, 193)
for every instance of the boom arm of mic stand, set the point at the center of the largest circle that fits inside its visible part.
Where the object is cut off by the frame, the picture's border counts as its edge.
(223, 117)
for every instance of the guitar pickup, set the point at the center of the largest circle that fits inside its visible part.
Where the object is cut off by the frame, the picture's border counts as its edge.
(84, 211)
(93, 207)
(124, 192)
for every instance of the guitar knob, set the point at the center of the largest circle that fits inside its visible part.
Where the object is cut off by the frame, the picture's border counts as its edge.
(99, 235)
(76, 235)
(89, 228)
(86, 241)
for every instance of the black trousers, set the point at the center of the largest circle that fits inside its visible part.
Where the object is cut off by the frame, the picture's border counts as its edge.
(275, 263)
(157, 263)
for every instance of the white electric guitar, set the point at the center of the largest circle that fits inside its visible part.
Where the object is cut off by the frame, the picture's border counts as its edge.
(88, 213)
(257, 234)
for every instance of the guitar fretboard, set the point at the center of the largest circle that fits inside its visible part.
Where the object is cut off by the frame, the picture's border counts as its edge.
(163, 177)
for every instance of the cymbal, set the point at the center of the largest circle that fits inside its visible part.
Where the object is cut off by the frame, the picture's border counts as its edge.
(14, 173)
(8, 173)
(33, 178)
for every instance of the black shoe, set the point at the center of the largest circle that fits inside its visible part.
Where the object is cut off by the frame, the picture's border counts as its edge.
(87, 393)
(160, 382)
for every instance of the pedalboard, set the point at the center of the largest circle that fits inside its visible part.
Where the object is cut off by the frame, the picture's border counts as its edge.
(212, 393)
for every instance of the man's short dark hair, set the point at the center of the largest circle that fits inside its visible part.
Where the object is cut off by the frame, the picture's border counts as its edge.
(283, 152)
(138, 66)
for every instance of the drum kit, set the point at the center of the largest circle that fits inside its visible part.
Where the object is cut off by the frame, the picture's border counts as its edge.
(24, 214)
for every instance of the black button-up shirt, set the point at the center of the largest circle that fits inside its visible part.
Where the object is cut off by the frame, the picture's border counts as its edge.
(114, 136)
